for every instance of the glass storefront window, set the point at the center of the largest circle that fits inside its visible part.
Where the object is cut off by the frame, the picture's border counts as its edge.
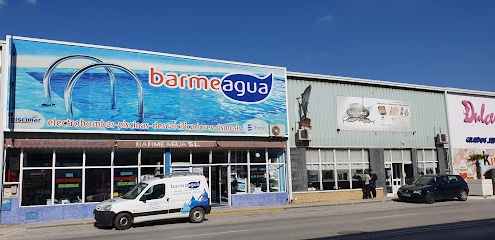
(200, 156)
(340, 172)
(356, 155)
(124, 180)
(430, 167)
(98, 157)
(238, 156)
(396, 155)
(313, 177)
(239, 179)
(38, 157)
(275, 155)
(257, 156)
(274, 177)
(152, 156)
(357, 170)
(180, 155)
(276, 170)
(341, 156)
(68, 186)
(12, 165)
(97, 185)
(326, 156)
(258, 178)
(219, 156)
(36, 187)
(328, 176)
(125, 157)
(343, 176)
(312, 156)
(104, 180)
(152, 159)
(152, 170)
(68, 157)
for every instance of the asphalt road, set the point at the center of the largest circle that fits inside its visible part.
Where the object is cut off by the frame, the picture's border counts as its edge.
(377, 220)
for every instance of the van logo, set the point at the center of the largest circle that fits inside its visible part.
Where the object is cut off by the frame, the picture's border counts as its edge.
(193, 185)
(247, 88)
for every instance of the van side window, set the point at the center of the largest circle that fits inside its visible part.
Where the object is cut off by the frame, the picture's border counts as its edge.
(155, 192)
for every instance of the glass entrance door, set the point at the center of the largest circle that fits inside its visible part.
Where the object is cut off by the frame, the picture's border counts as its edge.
(396, 177)
(219, 186)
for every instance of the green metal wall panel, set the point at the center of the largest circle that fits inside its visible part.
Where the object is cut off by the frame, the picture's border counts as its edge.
(428, 113)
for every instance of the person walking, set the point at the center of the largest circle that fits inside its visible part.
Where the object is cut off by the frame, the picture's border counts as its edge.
(373, 179)
(366, 183)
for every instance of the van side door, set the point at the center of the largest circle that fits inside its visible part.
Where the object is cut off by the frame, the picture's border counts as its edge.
(152, 205)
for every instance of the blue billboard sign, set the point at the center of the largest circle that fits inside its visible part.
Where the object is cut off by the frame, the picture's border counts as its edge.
(70, 87)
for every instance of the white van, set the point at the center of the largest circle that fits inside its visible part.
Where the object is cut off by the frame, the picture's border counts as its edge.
(183, 195)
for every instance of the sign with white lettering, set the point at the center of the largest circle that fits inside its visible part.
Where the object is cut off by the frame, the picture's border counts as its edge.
(71, 87)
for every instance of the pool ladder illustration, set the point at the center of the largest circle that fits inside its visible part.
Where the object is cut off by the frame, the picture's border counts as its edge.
(75, 77)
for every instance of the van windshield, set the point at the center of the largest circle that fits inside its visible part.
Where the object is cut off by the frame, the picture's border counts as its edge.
(135, 191)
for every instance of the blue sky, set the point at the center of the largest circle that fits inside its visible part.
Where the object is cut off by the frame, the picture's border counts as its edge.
(444, 43)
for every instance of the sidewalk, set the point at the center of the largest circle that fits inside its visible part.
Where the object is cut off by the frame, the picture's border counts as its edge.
(10, 228)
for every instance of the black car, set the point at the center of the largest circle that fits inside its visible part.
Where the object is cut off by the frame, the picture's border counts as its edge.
(429, 188)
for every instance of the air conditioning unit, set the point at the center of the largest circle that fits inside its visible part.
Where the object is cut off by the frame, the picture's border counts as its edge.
(442, 138)
(277, 131)
(304, 135)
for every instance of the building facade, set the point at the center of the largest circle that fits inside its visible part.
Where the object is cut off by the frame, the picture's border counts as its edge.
(339, 127)
(471, 118)
(84, 123)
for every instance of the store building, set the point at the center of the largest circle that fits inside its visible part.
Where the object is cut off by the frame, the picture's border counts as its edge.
(471, 124)
(340, 127)
(84, 123)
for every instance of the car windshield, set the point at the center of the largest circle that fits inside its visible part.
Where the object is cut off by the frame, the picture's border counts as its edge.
(135, 191)
(424, 180)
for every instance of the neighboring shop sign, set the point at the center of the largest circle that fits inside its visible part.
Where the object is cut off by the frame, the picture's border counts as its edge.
(472, 125)
(70, 87)
(372, 114)
(472, 120)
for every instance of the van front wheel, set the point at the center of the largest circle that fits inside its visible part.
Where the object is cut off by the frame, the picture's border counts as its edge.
(123, 221)
(197, 215)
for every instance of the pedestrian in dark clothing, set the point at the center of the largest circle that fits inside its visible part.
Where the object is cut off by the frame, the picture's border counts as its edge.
(373, 179)
(366, 184)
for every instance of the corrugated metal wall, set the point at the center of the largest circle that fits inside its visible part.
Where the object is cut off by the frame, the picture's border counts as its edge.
(428, 112)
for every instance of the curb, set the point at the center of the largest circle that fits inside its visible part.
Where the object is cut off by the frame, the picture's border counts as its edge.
(8, 229)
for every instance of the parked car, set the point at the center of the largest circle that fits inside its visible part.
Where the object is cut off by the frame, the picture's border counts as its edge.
(432, 187)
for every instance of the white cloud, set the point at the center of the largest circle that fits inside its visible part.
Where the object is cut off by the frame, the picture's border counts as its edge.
(327, 18)
(31, 2)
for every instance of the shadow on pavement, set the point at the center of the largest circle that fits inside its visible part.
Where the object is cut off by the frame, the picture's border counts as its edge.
(477, 229)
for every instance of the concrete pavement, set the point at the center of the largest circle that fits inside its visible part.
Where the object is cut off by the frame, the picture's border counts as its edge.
(6, 229)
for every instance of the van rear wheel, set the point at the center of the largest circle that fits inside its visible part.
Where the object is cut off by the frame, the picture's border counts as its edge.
(197, 215)
(123, 221)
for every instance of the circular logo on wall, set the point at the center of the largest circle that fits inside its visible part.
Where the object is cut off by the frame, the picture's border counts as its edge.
(27, 119)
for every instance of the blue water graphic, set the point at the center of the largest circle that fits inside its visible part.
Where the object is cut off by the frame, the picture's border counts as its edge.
(91, 97)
